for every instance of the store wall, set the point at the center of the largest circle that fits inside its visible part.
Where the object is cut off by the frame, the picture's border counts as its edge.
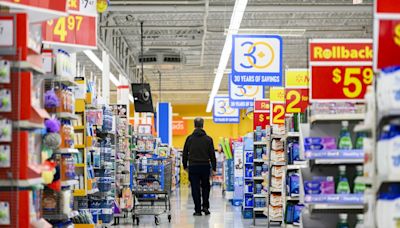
(213, 130)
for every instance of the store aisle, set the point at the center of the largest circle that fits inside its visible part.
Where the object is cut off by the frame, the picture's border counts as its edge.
(222, 213)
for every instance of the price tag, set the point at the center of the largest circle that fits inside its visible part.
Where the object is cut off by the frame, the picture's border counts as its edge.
(296, 100)
(342, 82)
(71, 30)
(342, 67)
(84, 7)
(277, 113)
(261, 113)
(261, 119)
(6, 32)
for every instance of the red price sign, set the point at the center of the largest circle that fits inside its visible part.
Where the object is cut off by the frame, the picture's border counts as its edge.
(261, 105)
(261, 113)
(388, 45)
(277, 114)
(48, 5)
(344, 81)
(296, 100)
(261, 119)
(388, 6)
(72, 31)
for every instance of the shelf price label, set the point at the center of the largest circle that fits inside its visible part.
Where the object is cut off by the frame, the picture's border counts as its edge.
(73, 30)
(342, 67)
(277, 113)
(261, 113)
(85, 7)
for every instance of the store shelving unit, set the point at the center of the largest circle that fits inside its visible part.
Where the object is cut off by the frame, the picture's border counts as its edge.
(320, 211)
(260, 157)
(276, 221)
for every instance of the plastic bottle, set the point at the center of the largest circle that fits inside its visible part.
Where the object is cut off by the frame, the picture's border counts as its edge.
(342, 186)
(360, 140)
(345, 139)
(360, 221)
(342, 221)
(359, 188)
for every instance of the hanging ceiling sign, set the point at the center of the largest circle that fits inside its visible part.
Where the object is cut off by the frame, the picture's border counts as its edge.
(341, 66)
(386, 34)
(257, 60)
(222, 112)
(261, 113)
(242, 96)
(277, 99)
(296, 90)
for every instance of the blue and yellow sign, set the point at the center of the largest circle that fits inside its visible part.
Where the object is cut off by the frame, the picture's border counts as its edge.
(222, 112)
(257, 60)
(242, 96)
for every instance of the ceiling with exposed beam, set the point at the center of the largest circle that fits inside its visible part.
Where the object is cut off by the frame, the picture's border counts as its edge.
(192, 34)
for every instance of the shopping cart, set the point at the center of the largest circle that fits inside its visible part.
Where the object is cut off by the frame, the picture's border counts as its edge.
(152, 188)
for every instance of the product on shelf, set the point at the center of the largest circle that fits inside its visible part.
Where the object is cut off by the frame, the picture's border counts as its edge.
(342, 183)
(342, 221)
(344, 137)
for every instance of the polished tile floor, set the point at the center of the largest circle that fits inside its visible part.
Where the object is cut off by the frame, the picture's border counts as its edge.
(222, 213)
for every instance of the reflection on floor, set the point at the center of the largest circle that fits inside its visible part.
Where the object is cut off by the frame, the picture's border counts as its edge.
(222, 213)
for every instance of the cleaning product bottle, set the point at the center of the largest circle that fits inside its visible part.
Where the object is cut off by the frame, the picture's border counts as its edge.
(359, 187)
(360, 140)
(342, 186)
(360, 221)
(345, 139)
(342, 221)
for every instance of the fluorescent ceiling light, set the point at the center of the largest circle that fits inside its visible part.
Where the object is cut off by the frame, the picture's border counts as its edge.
(236, 19)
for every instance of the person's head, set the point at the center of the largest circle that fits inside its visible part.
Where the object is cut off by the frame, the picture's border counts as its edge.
(199, 123)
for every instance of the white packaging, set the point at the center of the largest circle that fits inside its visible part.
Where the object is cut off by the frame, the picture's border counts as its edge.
(382, 157)
(393, 155)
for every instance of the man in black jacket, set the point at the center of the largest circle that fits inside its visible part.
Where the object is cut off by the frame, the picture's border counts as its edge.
(199, 152)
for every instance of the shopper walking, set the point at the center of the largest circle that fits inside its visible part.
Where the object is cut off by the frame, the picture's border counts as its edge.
(199, 153)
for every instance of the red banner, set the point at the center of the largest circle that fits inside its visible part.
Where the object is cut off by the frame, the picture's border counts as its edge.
(261, 113)
(59, 5)
(387, 6)
(277, 114)
(388, 49)
(296, 100)
(74, 30)
(261, 105)
(340, 51)
(342, 82)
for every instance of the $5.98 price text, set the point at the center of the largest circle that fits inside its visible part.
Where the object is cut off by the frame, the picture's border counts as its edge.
(342, 82)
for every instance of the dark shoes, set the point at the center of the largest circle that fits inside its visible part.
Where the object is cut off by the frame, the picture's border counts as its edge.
(197, 214)
(206, 211)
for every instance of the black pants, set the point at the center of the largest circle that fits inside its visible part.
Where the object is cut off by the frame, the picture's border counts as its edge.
(199, 176)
